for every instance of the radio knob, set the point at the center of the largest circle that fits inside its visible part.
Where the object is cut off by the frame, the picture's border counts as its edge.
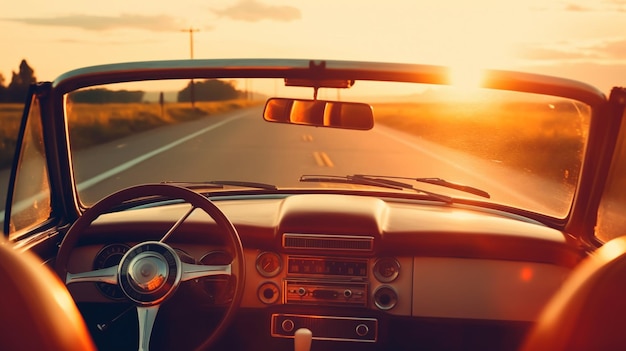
(288, 325)
(301, 291)
(347, 293)
(362, 329)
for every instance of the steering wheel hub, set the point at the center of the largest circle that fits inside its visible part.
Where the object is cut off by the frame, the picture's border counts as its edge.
(149, 273)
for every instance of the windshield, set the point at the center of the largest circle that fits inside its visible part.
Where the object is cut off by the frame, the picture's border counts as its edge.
(524, 150)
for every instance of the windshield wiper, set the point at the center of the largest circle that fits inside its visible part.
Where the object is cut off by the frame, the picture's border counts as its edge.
(372, 181)
(434, 181)
(219, 184)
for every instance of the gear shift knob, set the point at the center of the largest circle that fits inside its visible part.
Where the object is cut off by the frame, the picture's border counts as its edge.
(302, 339)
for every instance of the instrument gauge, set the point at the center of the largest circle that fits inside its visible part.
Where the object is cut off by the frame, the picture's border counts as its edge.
(109, 256)
(386, 269)
(268, 264)
(220, 289)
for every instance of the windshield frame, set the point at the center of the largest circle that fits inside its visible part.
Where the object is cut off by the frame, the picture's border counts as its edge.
(309, 69)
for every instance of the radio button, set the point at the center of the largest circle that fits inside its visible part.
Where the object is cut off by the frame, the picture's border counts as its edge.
(287, 325)
(362, 329)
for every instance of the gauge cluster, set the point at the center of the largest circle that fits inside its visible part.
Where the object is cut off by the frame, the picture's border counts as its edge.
(217, 290)
(109, 256)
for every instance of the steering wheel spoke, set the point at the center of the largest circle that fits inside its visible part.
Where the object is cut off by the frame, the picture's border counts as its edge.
(194, 271)
(105, 275)
(146, 316)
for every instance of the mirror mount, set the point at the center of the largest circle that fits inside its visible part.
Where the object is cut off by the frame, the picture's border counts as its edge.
(319, 83)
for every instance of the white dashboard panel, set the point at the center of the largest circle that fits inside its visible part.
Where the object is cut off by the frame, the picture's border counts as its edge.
(483, 289)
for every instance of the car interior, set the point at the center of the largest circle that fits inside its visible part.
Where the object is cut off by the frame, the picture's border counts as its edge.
(334, 262)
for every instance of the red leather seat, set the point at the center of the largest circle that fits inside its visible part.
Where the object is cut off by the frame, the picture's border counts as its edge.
(36, 310)
(589, 312)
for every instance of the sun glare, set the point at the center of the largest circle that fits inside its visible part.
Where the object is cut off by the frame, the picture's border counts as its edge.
(466, 77)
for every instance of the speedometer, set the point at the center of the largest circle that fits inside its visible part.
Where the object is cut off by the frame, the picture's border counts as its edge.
(108, 256)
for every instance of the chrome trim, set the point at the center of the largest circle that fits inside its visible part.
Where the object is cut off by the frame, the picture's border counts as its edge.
(320, 317)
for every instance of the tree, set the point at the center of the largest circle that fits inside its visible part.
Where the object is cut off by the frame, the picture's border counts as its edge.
(210, 90)
(18, 88)
(3, 89)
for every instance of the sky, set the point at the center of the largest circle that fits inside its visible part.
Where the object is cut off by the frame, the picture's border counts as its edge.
(577, 39)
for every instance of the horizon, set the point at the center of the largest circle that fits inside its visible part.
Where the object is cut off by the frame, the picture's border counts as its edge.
(579, 40)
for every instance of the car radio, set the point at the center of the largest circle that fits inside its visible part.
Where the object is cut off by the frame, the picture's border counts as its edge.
(330, 281)
(329, 293)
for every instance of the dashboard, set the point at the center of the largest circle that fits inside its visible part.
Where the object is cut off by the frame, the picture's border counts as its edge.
(342, 265)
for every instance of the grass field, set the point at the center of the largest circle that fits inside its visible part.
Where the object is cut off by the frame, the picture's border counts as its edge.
(543, 139)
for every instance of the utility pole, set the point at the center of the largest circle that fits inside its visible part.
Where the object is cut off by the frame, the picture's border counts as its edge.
(191, 30)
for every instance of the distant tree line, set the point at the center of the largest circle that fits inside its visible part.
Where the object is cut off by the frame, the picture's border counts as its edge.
(205, 90)
(18, 87)
(210, 90)
(101, 96)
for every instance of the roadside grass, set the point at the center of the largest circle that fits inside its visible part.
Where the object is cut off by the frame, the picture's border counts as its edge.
(542, 139)
(10, 118)
(92, 124)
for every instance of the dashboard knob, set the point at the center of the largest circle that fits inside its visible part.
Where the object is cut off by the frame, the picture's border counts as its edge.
(385, 298)
(301, 291)
(362, 329)
(268, 293)
(288, 325)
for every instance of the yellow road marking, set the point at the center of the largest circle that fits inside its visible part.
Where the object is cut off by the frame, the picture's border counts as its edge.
(327, 160)
(322, 159)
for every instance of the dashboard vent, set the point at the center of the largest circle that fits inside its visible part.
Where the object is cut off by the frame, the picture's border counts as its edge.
(328, 242)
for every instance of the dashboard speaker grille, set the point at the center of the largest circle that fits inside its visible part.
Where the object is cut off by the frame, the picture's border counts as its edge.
(328, 242)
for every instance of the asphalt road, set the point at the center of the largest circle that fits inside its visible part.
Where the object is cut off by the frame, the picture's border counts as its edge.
(211, 148)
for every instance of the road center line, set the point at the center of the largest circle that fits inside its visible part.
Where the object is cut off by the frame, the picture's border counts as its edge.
(327, 160)
(322, 159)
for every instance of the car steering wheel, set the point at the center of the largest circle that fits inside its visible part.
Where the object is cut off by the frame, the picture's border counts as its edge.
(151, 271)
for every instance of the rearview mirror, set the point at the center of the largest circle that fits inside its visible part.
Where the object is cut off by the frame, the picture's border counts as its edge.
(319, 113)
